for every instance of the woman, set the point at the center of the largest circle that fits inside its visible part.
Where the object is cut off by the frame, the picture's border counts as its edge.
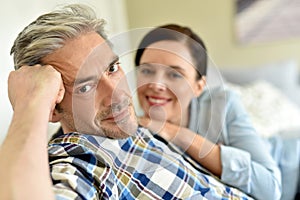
(209, 127)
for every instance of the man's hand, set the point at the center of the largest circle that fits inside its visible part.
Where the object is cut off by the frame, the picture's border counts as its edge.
(40, 84)
(33, 92)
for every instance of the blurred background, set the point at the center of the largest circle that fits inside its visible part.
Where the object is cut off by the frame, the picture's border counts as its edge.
(239, 34)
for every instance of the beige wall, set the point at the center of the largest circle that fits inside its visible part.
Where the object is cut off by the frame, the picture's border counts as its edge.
(213, 21)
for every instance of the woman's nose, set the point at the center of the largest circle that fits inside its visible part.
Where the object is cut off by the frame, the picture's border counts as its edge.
(157, 86)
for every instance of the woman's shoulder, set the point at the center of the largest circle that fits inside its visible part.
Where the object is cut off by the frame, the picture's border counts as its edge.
(217, 93)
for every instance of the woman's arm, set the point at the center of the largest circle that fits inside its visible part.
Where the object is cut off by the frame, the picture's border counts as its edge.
(243, 161)
(200, 149)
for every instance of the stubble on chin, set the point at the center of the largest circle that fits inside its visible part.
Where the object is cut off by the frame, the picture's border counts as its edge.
(116, 130)
(121, 129)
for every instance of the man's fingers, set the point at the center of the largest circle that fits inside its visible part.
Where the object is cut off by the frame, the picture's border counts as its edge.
(61, 93)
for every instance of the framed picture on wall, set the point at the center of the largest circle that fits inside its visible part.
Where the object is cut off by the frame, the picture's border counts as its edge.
(258, 21)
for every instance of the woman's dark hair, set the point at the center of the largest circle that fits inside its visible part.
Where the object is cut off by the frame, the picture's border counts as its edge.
(181, 34)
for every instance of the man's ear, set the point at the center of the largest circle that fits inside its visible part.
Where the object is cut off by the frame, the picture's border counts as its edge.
(55, 116)
(200, 85)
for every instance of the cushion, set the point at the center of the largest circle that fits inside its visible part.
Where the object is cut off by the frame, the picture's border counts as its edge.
(284, 75)
(214, 77)
(269, 109)
(53, 128)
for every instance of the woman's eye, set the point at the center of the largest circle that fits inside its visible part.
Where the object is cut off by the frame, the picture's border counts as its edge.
(146, 71)
(175, 75)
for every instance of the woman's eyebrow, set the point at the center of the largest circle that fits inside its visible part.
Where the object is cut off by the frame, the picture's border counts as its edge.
(177, 68)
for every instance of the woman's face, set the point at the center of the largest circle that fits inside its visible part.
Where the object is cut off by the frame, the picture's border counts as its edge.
(167, 82)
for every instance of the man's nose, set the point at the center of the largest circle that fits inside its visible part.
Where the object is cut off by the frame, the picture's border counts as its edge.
(111, 92)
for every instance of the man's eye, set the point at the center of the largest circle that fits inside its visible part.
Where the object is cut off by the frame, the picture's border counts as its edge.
(85, 89)
(115, 67)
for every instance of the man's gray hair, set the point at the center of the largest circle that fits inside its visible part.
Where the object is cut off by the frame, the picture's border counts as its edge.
(50, 31)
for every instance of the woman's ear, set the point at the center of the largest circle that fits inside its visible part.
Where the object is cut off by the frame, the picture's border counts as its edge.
(200, 85)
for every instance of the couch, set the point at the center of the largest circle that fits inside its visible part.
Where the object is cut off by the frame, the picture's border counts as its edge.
(270, 93)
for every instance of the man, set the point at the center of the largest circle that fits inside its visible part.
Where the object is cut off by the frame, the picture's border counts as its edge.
(67, 72)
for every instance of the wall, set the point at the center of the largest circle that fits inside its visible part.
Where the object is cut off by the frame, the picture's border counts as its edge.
(213, 21)
(16, 14)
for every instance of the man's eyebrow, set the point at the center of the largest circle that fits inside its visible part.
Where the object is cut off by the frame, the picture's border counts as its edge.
(94, 77)
(115, 59)
(85, 79)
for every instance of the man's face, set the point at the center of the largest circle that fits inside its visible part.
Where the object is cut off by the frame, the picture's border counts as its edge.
(97, 99)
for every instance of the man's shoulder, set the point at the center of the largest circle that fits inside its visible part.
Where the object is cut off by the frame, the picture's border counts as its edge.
(74, 142)
(71, 138)
(71, 145)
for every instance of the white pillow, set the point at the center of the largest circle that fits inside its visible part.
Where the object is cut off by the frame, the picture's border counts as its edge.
(269, 109)
(52, 129)
(282, 74)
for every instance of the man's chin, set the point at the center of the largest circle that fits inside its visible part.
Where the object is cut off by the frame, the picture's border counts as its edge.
(119, 131)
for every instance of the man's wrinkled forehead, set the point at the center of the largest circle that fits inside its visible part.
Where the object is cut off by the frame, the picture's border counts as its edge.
(98, 60)
(89, 53)
(101, 58)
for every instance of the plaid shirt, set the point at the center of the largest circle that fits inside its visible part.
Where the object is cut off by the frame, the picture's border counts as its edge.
(138, 167)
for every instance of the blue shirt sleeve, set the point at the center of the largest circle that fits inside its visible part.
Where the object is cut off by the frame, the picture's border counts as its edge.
(246, 160)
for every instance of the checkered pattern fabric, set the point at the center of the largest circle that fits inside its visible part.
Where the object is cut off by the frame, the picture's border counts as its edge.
(139, 167)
